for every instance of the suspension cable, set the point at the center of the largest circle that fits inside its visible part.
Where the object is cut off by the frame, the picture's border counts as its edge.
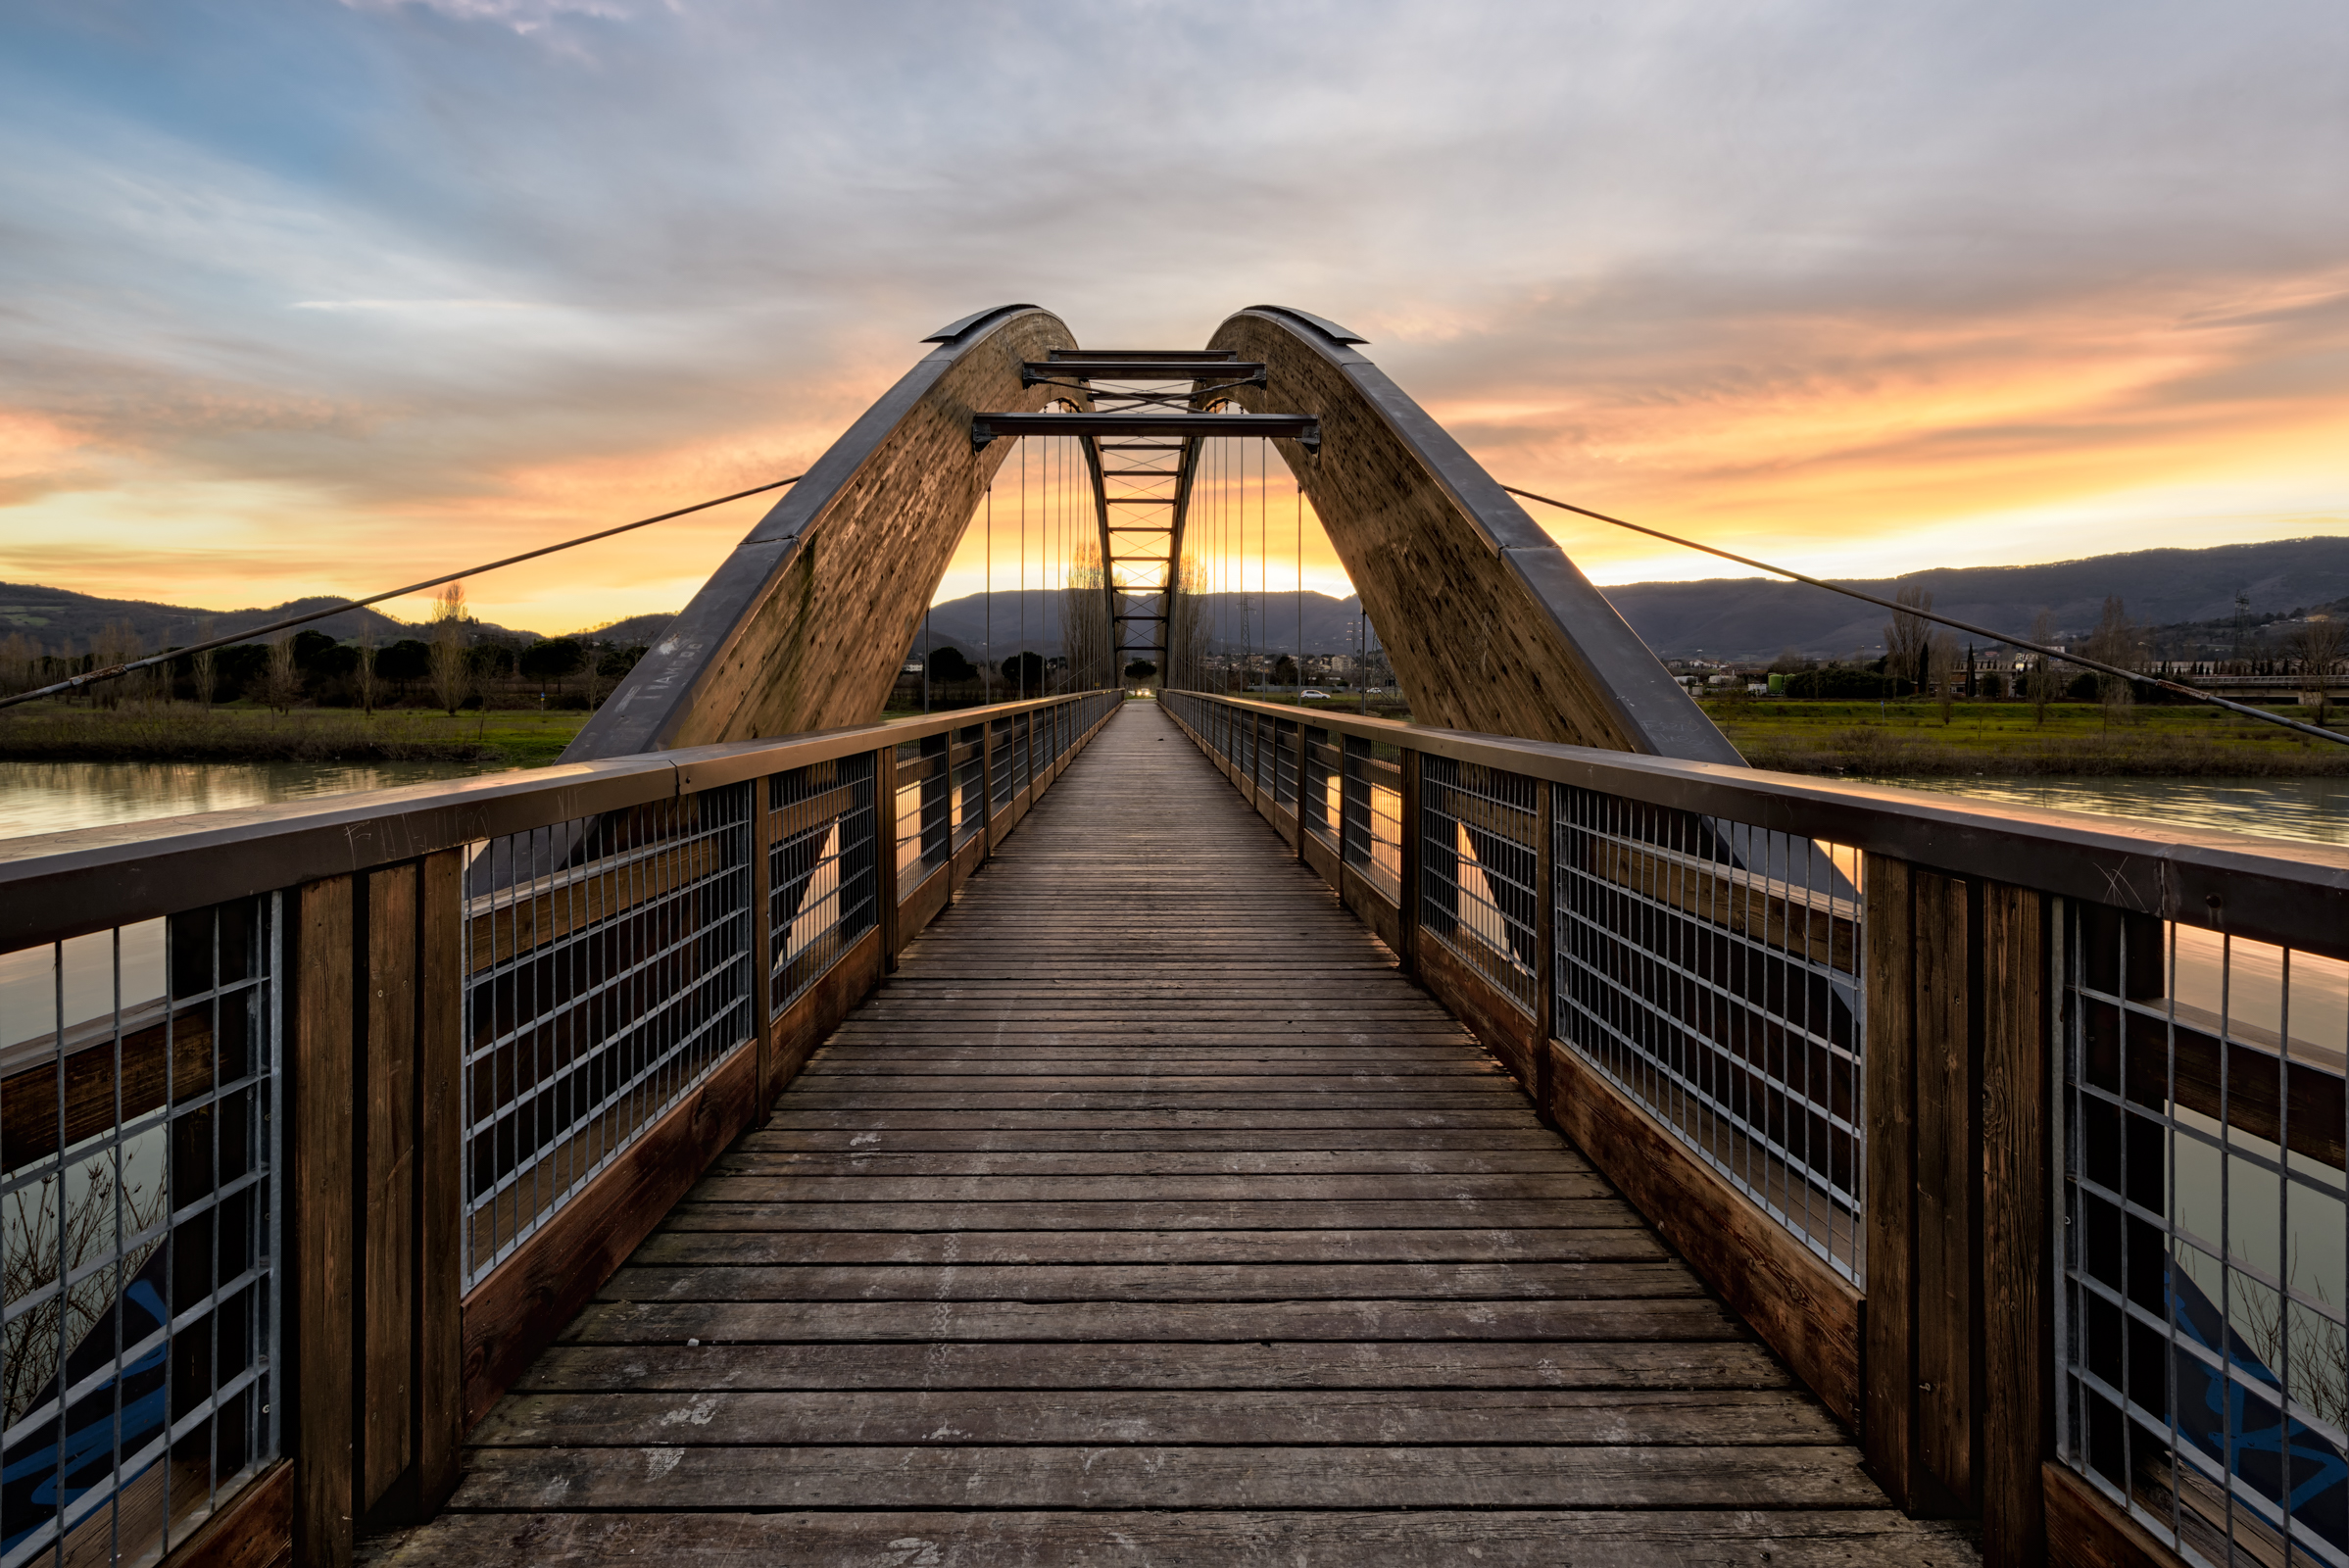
(2097, 664)
(111, 672)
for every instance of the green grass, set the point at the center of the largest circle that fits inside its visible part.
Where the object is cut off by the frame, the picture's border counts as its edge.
(2005, 739)
(181, 732)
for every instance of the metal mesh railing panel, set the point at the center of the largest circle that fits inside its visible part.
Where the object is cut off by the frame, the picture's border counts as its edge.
(925, 810)
(823, 870)
(2202, 1347)
(1372, 842)
(1003, 777)
(608, 971)
(1712, 971)
(1283, 762)
(1477, 857)
(139, 1222)
(1322, 809)
(968, 758)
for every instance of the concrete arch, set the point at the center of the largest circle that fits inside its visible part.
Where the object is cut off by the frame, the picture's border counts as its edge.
(803, 625)
(1490, 625)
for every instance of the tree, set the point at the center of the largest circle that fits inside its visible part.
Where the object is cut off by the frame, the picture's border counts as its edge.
(1023, 675)
(451, 671)
(552, 659)
(1942, 665)
(2316, 644)
(364, 677)
(2040, 678)
(1141, 670)
(17, 655)
(1789, 661)
(404, 661)
(1284, 671)
(948, 664)
(282, 679)
(206, 669)
(2115, 641)
(1906, 637)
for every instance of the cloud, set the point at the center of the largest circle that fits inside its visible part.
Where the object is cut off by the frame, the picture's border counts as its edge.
(1811, 271)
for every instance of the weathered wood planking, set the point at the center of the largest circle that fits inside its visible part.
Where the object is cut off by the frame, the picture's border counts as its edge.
(964, 1271)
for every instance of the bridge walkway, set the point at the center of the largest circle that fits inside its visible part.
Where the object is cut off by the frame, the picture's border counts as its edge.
(1147, 1213)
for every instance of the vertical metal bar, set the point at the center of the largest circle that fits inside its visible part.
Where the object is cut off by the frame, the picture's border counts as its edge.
(1407, 829)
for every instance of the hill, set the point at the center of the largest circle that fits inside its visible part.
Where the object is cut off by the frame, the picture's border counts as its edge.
(61, 620)
(1754, 618)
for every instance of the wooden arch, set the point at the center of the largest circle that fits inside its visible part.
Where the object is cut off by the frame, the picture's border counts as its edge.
(1490, 625)
(805, 625)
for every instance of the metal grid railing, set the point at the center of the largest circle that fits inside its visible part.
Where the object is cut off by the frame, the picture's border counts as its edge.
(1713, 972)
(1283, 762)
(1244, 748)
(1023, 756)
(967, 759)
(1003, 777)
(1322, 806)
(1477, 856)
(607, 970)
(823, 870)
(2202, 1344)
(139, 1223)
(925, 808)
(1373, 839)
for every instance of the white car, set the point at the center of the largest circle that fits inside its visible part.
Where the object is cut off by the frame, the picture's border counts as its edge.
(1308, 694)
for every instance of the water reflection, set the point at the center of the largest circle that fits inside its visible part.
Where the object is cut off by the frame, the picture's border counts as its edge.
(54, 797)
(2314, 811)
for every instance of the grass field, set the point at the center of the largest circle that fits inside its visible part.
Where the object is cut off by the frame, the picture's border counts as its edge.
(56, 732)
(2003, 738)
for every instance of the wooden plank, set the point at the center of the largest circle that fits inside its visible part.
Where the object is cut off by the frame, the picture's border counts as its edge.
(253, 1529)
(1617, 1243)
(1143, 1475)
(1197, 1537)
(511, 1315)
(1945, 958)
(1154, 1282)
(1230, 1163)
(2085, 1530)
(1473, 1140)
(1797, 1305)
(924, 903)
(322, 1263)
(440, 1154)
(736, 1322)
(385, 1428)
(1297, 1364)
(2018, 1377)
(1078, 1191)
(1433, 1214)
(1888, 1412)
(1120, 1417)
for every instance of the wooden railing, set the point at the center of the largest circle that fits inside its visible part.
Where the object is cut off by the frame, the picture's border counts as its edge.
(425, 1038)
(1877, 1063)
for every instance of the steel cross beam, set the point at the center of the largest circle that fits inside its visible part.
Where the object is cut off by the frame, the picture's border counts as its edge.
(1236, 373)
(1304, 429)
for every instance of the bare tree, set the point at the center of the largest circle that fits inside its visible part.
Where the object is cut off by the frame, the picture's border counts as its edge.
(2115, 641)
(115, 644)
(282, 679)
(2316, 645)
(2039, 679)
(206, 673)
(363, 676)
(1942, 665)
(1907, 636)
(35, 1239)
(17, 655)
(451, 669)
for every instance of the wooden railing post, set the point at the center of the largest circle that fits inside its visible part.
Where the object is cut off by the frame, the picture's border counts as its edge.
(318, 1325)
(885, 849)
(1958, 1418)
(1407, 891)
(1545, 946)
(440, 1179)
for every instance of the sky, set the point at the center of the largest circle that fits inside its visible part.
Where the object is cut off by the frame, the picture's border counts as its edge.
(307, 298)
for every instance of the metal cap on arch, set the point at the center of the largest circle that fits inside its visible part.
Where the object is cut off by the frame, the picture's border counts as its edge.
(1320, 323)
(954, 330)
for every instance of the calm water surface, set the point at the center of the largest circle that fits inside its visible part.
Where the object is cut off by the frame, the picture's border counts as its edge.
(52, 796)
(2315, 811)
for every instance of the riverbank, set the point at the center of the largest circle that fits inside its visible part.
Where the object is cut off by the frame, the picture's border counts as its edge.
(181, 732)
(1908, 740)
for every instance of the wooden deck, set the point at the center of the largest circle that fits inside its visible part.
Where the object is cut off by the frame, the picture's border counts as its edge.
(1148, 1215)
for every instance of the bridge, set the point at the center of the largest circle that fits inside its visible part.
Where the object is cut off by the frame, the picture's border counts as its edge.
(1168, 1126)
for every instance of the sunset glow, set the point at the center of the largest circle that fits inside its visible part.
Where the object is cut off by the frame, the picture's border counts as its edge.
(321, 299)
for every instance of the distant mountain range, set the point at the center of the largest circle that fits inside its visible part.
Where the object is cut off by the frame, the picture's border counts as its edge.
(1744, 618)
(1754, 618)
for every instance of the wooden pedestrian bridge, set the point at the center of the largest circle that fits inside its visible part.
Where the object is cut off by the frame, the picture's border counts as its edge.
(1168, 1128)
